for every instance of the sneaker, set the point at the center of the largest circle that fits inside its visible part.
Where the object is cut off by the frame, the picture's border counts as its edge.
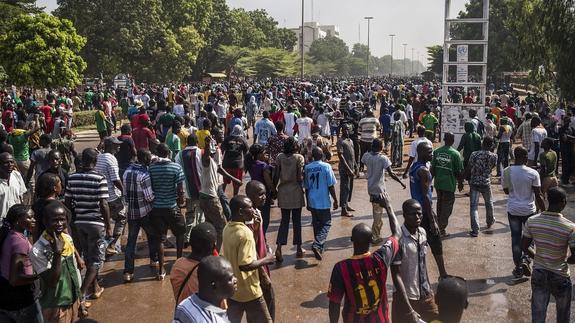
(316, 253)
(489, 225)
(517, 273)
(526, 268)
(111, 251)
(128, 277)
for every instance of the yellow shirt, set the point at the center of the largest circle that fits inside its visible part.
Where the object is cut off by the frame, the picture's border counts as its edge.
(239, 248)
(183, 134)
(202, 134)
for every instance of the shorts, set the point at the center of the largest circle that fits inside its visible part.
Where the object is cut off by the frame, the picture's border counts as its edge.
(92, 240)
(162, 219)
(235, 172)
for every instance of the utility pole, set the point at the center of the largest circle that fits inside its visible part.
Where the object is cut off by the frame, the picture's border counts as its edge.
(412, 49)
(391, 66)
(301, 41)
(367, 59)
(404, 59)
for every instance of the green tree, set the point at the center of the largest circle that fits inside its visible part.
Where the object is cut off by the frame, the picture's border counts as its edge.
(42, 51)
(435, 54)
(10, 9)
(328, 49)
(287, 39)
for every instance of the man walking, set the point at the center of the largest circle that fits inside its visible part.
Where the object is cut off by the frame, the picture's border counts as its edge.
(319, 182)
(168, 187)
(478, 172)
(239, 247)
(139, 198)
(264, 129)
(523, 185)
(368, 127)
(87, 195)
(377, 164)
(346, 167)
(190, 159)
(552, 235)
(421, 190)
(107, 165)
(446, 169)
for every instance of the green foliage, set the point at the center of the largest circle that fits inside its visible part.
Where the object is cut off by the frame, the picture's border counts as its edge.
(42, 51)
(10, 9)
(328, 49)
(435, 56)
(259, 63)
(88, 118)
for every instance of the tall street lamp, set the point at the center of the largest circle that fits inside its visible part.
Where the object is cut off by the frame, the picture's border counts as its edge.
(391, 67)
(412, 50)
(301, 41)
(404, 58)
(367, 59)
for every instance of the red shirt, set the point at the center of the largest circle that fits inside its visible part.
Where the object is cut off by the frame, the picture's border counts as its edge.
(139, 119)
(511, 113)
(361, 280)
(141, 137)
(47, 111)
(8, 120)
(277, 116)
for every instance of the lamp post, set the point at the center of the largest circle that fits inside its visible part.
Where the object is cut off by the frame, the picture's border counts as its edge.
(391, 66)
(301, 41)
(413, 49)
(404, 58)
(367, 58)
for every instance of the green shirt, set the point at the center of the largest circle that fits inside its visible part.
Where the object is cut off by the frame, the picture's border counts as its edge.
(549, 159)
(100, 121)
(445, 166)
(470, 142)
(429, 121)
(167, 119)
(173, 142)
(21, 147)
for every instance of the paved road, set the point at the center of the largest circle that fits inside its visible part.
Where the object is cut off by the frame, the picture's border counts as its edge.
(301, 284)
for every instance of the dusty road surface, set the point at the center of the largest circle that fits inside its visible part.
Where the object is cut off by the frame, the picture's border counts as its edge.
(301, 284)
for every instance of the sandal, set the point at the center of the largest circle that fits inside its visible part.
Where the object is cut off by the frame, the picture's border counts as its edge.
(97, 294)
(299, 253)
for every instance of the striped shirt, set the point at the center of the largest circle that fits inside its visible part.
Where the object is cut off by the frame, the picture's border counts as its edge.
(368, 129)
(138, 191)
(552, 235)
(165, 175)
(195, 310)
(85, 190)
(107, 165)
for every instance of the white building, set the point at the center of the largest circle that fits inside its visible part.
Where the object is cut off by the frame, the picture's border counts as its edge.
(311, 32)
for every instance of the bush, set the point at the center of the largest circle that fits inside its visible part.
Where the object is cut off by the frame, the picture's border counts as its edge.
(87, 118)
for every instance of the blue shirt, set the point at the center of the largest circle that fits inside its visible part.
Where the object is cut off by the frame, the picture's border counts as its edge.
(318, 177)
(385, 121)
(165, 175)
(264, 130)
(415, 183)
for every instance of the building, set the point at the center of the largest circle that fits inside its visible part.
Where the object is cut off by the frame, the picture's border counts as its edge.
(313, 31)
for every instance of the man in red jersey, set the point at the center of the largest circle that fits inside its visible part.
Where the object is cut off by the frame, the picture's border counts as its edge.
(361, 279)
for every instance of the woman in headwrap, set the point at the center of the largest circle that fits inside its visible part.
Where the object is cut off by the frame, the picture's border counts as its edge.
(234, 147)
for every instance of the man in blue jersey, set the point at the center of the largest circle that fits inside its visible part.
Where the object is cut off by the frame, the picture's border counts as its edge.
(319, 182)
(421, 190)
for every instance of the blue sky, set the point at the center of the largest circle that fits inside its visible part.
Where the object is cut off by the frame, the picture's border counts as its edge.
(419, 23)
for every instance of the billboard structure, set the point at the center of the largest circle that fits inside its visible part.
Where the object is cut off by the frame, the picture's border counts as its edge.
(464, 70)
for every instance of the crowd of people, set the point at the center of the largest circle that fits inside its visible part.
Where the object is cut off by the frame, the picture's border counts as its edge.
(180, 146)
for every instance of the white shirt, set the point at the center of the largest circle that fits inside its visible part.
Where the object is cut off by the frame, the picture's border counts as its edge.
(304, 128)
(179, 110)
(520, 180)
(414, 144)
(289, 119)
(409, 111)
(537, 135)
(323, 121)
(107, 165)
(11, 192)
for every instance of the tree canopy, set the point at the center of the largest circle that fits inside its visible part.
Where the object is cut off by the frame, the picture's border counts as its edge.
(42, 51)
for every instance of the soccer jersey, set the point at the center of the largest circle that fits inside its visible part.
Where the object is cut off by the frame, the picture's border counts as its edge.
(318, 178)
(361, 279)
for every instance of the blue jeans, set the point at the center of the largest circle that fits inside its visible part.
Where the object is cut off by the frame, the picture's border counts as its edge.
(30, 314)
(284, 227)
(345, 188)
(225, 203)
(516, 226)
(543, 284)
(474, 205)
(133, 231)
(321, 222)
